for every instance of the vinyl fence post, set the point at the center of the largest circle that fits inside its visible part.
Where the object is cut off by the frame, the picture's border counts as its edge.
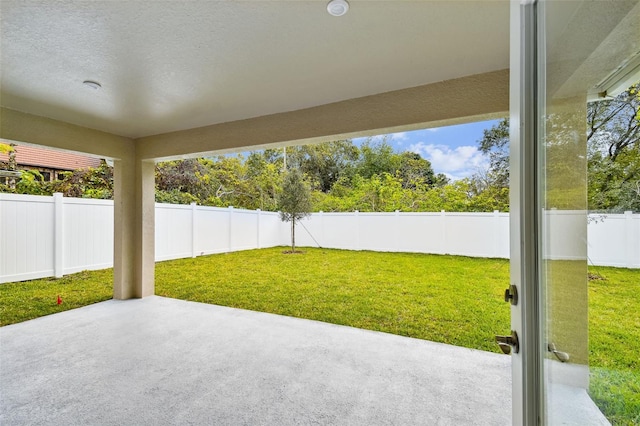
(397, 230)
(630, 237)
(443, 234)
(58, 235)
(496, 233)
(357, 228)
(258, 216)
(321, 215)
(193, 230)
(230, 236)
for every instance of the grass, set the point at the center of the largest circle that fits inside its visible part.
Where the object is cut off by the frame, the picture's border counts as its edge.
(449, 299)
(26, 300)
(614, 343)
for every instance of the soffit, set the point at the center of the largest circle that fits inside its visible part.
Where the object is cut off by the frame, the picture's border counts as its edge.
(174, 65)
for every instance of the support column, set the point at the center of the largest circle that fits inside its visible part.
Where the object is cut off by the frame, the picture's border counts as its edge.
(134, 228)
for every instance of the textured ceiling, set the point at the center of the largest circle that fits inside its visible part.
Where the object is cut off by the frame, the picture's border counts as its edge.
(173, 65)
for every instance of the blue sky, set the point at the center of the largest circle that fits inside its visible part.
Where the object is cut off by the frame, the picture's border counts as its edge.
(452, 150)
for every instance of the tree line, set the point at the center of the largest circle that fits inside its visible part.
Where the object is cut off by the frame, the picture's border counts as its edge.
(341, 176)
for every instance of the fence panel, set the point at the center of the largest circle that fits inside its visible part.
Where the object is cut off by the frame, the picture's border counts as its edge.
(422, 232)
(470, 234)
(339, 230)
(273, 232)
(213, 230)
(614, 240)
(26, 237)
(173, 234)
(244, 230)
(378, 231)
(51, 236)
(87, 234)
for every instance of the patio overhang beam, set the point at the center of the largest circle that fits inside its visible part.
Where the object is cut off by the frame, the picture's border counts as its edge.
(467, 99)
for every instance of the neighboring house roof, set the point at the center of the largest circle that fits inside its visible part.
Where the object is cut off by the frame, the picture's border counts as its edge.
(40, 157)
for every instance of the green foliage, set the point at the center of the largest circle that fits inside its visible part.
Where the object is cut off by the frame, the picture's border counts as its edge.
(377, 157)
(341, 176)
(294, 201)
(31, 182)
(324, 163)
(495, 143)
(613, 157)
(86, 183)
(83, 183)
(615, 185)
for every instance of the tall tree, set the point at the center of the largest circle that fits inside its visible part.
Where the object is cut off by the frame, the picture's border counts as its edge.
(613, 129)
(265, 178)
(416, 172)
(294, 201)
(324, 163)
(495, 144)
(613, 152)
(377, 157)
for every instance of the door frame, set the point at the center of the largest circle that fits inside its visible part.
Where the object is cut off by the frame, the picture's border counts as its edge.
(525, 205)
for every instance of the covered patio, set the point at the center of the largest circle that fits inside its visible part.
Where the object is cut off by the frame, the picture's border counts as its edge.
(137, 82)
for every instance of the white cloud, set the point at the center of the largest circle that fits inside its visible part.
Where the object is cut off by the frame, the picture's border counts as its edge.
(400, 136)
(456, 163)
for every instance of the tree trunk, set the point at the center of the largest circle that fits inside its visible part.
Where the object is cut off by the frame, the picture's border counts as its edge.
(293, 235)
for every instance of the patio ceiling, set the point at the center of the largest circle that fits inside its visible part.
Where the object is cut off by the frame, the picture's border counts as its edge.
(174, 65)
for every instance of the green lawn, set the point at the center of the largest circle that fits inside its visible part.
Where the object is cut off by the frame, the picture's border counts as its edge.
(32, 299)
(457, 300)
(449, 299)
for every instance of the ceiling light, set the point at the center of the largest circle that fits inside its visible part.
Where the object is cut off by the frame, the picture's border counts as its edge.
(92, 84)
(337, 7)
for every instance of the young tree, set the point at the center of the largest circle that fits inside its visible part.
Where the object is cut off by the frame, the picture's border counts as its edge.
(294, 201)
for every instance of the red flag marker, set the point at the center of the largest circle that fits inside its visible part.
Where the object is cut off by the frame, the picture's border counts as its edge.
(59, 300)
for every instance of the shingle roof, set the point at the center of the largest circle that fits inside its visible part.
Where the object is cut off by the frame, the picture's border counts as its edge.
(40, 157)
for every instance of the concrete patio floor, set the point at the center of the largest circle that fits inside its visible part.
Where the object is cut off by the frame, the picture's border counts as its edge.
(157, 361)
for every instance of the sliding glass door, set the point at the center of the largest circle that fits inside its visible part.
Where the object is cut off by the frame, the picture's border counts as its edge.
(562, 55)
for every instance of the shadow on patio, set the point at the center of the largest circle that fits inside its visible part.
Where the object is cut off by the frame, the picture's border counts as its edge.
(166, 361)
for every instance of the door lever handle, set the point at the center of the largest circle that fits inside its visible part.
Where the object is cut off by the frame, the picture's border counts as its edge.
(507, 343)
(562, 356)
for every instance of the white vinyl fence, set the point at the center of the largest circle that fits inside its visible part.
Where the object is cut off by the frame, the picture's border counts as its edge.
(52, 236)
(190, 231)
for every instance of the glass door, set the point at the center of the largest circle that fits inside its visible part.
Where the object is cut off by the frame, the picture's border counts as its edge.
(563, 55)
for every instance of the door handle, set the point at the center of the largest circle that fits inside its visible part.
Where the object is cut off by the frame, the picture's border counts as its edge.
(511, 295)
(507, 343)
(562, 356)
